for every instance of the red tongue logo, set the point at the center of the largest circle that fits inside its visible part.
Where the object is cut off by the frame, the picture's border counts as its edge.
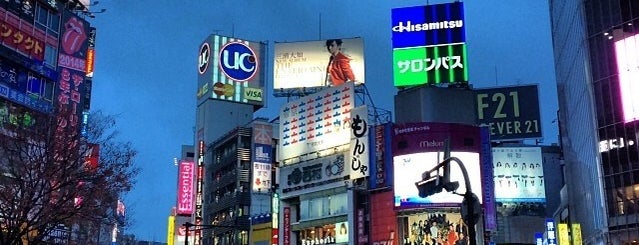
(74, 36)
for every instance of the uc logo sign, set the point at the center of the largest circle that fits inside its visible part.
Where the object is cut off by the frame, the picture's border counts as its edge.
(238, 61)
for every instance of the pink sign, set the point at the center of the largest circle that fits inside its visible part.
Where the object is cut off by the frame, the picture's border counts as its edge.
(287, 226)
(185, 188)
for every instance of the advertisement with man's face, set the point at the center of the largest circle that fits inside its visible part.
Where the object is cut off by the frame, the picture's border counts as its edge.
(320, 63)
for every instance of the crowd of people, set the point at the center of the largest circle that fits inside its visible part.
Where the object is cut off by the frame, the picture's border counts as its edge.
(437, 230)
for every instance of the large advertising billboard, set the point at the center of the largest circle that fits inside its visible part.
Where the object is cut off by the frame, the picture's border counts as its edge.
(509, 112)
(419, 147)
(231, 69)
(626, 51)
(316, 122)
(429, 45)
(428, 25)
(321, 63)
(357, 157)
(430, 65)
(186, 179)
(435, 228)
(74, 42)
(519, 174)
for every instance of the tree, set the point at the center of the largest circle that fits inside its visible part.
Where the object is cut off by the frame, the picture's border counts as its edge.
(48, 186)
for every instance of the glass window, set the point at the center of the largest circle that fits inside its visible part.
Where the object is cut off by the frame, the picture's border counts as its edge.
(50, 56)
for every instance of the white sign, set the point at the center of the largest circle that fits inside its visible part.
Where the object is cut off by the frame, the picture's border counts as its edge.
(357, 157)
(316, 122)
(518, 174)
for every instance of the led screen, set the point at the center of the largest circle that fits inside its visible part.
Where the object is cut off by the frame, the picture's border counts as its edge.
(430, 65)
(428, 25)
(628, 66)
(408, 170)
(310, 64)
(518, 174)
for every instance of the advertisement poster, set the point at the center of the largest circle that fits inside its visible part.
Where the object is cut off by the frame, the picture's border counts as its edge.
(518, 174)
(321, 63)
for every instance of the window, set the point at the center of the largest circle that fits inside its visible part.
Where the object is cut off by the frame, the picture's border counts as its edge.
(323, 206)
(50, 56)
(47, 20)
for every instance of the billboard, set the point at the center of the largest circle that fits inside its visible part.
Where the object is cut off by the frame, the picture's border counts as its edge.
(509, 112)
(381, 169)
(317, 174)
(316, 122)
(518, 174)
(358, 155)
(435, 228)
(429, 45)
(74, 33)
(262, 157)
(419, 147)
(428, 25)
(231, 69)
(626, 51)
(22, 37)
(430, 65)
(320, 63)
(186, 178)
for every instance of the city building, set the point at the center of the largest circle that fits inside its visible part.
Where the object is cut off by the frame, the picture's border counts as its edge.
(595, 64)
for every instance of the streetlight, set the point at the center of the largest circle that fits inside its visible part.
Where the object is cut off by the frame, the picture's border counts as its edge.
(430, 185)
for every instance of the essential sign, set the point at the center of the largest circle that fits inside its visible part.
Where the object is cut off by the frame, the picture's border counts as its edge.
(509, 112)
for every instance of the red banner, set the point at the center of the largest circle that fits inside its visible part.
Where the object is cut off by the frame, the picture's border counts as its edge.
(18, 39)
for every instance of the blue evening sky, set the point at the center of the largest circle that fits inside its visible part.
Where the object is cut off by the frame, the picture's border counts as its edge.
(146, 58)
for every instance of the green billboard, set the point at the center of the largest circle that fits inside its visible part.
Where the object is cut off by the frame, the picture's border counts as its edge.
(430, 65)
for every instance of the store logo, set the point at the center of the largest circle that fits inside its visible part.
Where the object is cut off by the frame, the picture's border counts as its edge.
(238, 61)
(203, 58)
(410, 27)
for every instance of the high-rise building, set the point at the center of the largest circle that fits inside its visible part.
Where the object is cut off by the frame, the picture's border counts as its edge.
(596, 65)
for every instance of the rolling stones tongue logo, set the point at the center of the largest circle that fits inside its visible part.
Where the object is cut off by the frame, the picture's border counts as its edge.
(74, 36)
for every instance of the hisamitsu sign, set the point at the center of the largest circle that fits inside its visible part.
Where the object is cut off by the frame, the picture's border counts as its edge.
(509, 112)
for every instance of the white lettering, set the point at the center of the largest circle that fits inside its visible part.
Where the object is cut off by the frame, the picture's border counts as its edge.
(410, 27)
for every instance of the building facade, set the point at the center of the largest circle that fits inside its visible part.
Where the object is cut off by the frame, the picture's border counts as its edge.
(595, 58)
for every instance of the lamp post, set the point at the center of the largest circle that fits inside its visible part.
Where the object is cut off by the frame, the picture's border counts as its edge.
(470, 209)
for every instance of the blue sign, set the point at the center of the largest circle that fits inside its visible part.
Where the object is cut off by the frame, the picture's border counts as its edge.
(238, 61)
(428, 25)
(550, 232)
(539, 238)
(263, 153)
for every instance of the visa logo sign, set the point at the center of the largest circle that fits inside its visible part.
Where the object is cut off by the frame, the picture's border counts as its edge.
(253, 94)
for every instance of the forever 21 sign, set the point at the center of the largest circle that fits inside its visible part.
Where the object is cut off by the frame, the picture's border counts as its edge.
(509, 112)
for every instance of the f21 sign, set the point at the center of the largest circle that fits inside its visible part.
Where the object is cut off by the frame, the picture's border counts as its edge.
(509, 112)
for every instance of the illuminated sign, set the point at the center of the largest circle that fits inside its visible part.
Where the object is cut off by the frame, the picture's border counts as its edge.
(170, 233)
(519, 174)
(562, 233)
(341, 232)
(306, 64)
(238, 61)
(229, 70)
(286, 236)
(551, 238)
(316, 122)
(261, 177)
(380, 175)
(626, 51)
(419, 147)
(357, 157)
(430, 65)
(509, 112)
(428, 25)
(186, 176)
(576, 234)
(611, 144)
(21, 39)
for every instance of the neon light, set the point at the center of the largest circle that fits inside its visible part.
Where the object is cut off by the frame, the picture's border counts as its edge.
(628, 68)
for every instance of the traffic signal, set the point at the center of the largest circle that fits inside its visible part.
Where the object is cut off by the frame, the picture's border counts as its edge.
(434, 184)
